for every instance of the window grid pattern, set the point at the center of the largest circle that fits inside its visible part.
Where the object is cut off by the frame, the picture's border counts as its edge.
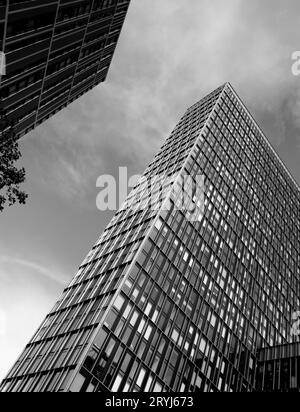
(203, 297)
(279, 369)
(55, 52)
(162, 303)
(71, 325)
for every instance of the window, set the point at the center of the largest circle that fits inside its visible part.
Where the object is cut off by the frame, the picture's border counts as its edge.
(202, 345)
(127, 311)
(117, 383)
(141, 377)
(119, 302)
(186, 256)
(158, 224)
(77, 383)
(148, 309)
(141, 326)
(110, 347)
(158, 387)
(110, 319)
(100, 338)
(148, 385)
(175, 335)
(134, 318)
(148, 332)
(213, 320)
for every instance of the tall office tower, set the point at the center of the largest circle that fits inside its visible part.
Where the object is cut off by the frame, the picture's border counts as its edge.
(184, 286)
(55, 52)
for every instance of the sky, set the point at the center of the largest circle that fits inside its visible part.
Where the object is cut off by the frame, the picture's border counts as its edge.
(170, 54)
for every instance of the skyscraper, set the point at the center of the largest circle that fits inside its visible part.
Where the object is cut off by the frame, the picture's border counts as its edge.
(55, 52)
(181, 292)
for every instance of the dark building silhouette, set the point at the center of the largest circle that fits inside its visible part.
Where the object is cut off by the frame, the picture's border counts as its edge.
(55, 52)
(192, 277)
(279, 369)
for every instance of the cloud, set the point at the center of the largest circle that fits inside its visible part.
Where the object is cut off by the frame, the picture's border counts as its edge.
(295, 109)
(35, 268)
(27, 292)
(124, 121)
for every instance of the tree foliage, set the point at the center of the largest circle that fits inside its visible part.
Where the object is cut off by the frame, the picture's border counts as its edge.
(11, 177)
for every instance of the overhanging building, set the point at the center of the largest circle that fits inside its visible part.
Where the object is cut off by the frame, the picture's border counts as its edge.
(56, 50)
(181, 298)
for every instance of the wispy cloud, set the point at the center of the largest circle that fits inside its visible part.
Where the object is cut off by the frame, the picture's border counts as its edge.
(8, 262)
(28, 290)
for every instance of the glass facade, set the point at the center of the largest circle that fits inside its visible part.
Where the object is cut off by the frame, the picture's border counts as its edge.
(180, 299)
(279, 369)
(55, 52)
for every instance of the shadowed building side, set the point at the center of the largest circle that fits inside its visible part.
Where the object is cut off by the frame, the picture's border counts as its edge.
(55, 52)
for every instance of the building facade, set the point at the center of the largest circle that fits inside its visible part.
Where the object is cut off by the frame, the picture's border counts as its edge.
(279, 368)
(179, 296)
(56, 50)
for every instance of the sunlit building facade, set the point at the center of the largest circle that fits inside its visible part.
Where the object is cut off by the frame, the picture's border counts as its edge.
(180, 297)
(55, 52)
